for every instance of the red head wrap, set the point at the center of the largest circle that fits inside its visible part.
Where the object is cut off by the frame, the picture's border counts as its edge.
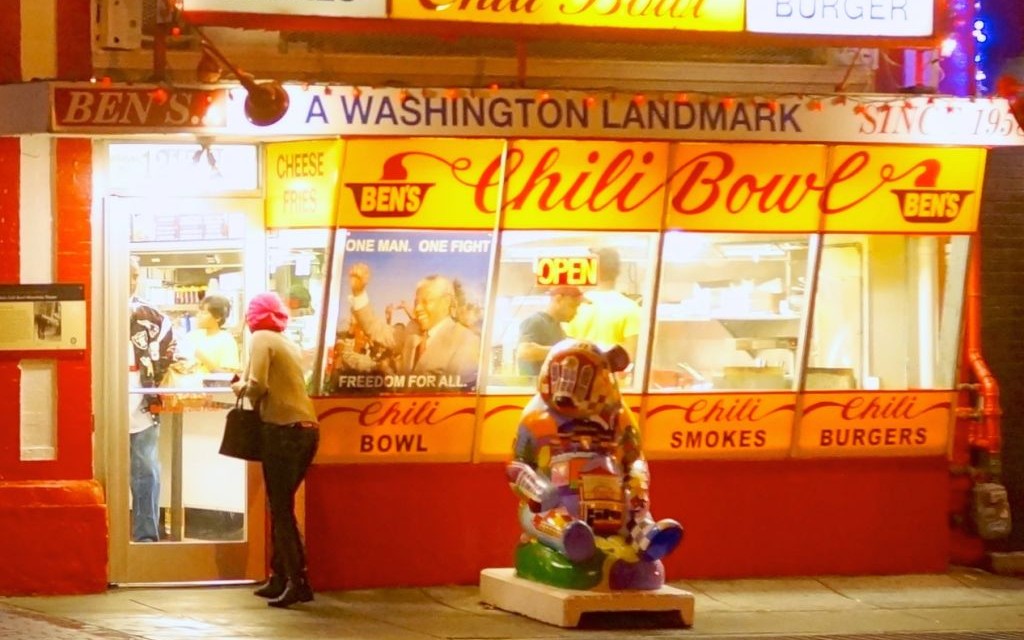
(266, 311)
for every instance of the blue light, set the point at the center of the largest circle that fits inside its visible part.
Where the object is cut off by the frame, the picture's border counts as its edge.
(981, 58)
(959, 78)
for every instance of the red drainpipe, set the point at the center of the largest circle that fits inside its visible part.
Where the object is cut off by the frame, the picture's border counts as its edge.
(986, 416)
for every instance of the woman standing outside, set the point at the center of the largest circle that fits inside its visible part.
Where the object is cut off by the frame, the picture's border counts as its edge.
(274, 379)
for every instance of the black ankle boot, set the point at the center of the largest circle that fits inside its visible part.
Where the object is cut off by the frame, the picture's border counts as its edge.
(272, 588)
(296, 591)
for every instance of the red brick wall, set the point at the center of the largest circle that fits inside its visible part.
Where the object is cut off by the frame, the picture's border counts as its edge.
(73, 249)
(1002, 307)
(74, 40)
(38, 498)
(10, 42)
(73, 259)
(10, 272)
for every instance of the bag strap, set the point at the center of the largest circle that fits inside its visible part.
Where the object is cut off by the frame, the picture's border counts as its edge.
(240, 400)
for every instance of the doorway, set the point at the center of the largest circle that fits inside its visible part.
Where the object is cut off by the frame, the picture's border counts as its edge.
(196, 516)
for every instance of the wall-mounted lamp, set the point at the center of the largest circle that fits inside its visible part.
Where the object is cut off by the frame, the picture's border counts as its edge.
(265, 102)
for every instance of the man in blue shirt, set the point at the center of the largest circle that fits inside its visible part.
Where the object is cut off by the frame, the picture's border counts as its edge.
(540, 331)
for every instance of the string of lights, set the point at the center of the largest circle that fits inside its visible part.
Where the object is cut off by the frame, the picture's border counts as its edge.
(958, 64)
(858, 103)
(963, 57)
(981, 58)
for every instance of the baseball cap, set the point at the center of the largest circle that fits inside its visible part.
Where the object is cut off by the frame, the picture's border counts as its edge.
(568, 290)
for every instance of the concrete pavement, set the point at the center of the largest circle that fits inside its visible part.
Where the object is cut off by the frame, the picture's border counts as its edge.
(960, 604)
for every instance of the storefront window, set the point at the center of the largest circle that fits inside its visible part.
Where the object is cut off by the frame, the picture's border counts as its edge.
(297, 259)
(590, 285)
(730, 308)
(887, 312)
(406, 311)
(179, 169)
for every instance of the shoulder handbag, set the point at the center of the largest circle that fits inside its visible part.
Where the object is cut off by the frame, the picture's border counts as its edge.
(243, 432)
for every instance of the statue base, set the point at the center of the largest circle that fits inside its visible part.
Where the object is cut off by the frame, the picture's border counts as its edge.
(501, 588)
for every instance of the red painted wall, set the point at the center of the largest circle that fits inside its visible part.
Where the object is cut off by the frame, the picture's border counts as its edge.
(39, 498)
(10, 271)
(73, 254)
(54, 537)
(74, 40)
(429, 524)
(73, 238)
(10, 43)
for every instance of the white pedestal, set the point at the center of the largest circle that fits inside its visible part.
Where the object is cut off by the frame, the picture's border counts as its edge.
(563, 607)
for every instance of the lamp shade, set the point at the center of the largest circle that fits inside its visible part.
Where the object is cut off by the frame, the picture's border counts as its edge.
(266, 103)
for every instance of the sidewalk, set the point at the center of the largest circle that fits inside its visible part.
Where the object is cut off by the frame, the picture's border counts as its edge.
(958, 605)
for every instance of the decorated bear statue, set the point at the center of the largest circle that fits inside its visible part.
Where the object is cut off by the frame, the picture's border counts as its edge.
(582, 480)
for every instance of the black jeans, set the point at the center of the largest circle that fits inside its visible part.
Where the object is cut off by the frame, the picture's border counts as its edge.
(287, 453)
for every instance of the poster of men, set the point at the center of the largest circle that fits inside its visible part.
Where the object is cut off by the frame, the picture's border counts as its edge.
(411, 312)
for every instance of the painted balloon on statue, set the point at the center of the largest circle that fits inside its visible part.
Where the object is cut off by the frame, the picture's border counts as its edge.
(582, 481)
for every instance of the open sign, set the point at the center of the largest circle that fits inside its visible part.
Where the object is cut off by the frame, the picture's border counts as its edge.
(579, 271)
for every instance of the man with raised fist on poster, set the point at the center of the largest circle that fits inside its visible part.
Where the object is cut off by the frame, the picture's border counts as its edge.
(435, 351)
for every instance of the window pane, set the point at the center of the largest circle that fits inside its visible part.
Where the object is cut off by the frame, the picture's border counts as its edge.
(532, 309)
(887, 312)
(297, 259)
(729, 312)
(837, 356)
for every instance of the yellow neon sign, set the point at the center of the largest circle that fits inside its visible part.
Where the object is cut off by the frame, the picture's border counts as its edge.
(302, 183)
(679, 15)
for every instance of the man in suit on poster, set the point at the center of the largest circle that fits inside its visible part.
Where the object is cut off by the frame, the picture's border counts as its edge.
(435, 350)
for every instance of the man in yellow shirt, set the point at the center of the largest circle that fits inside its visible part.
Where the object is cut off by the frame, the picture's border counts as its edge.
(612, 318)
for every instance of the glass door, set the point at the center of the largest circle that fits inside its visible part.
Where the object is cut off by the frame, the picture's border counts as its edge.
(178, 272)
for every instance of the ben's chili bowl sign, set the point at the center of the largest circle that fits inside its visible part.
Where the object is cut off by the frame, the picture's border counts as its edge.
(719, 426)
(930, 188)
(396, 429)
(688, 15)
(325, 8)
(98, 108)
(499, 420)
(603, 185)
(875, 423)
(427, 182)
